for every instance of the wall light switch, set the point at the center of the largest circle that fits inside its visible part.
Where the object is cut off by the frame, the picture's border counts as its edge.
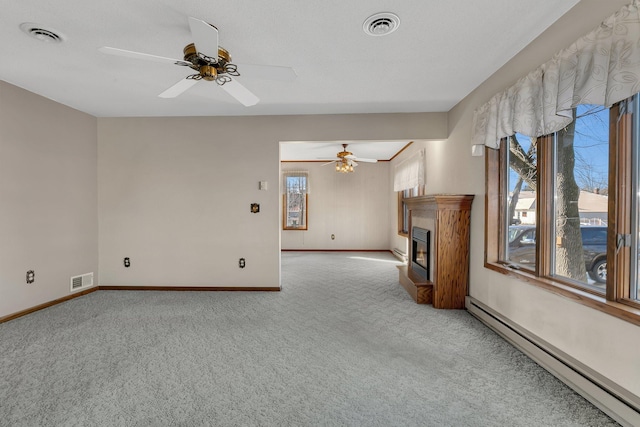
(262, 185)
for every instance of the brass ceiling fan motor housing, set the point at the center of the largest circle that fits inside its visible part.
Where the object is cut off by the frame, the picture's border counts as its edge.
(344, 153)
(191, 55)
(208, 72)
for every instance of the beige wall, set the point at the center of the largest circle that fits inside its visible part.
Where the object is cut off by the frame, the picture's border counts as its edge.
(602, 342)
(175, 193)
(354, 207)
(48, 204)
(435, 170)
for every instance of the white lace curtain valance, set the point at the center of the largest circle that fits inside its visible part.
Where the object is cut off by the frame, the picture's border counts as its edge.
(296, 181)
(409, 173)
(600, 68)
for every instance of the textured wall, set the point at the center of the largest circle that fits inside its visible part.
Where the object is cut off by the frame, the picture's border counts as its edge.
(48, 201)
(175, 193)
(606, 344)
(354, 207)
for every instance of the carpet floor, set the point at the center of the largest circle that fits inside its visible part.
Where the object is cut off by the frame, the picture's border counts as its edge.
(341, 345)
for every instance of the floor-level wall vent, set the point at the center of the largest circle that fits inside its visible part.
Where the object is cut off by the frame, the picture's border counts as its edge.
(81, 282)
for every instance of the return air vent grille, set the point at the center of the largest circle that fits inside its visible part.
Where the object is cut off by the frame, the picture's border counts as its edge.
(81, 282)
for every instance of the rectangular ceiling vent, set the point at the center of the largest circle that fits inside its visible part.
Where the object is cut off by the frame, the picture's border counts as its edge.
(81, 282)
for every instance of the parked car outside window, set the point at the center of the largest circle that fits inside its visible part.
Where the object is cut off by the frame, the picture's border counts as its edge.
(522, 248)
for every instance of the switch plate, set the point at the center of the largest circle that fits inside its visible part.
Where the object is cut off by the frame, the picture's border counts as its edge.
(262, 185)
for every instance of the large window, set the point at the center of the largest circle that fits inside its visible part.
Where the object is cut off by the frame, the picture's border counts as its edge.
(408, 181)
(587, 226)
(403, 209)
(562, 209)
(295, 209)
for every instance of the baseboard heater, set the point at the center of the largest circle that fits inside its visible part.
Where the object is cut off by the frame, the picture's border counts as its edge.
(617, 402)
(399, 254)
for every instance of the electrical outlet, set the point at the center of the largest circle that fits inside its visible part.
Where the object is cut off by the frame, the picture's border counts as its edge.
(31, 276)
(333, 237)
(242, 263)
(127, 262)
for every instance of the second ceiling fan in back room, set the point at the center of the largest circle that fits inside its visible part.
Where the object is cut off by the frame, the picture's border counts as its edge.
(345, 160)
(212, 63)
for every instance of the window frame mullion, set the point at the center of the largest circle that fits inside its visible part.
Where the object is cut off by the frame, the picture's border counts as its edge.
(544, 206)
(620, 202)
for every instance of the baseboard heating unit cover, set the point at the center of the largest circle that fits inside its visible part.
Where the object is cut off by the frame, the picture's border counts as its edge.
(617, 402)
(402, 256)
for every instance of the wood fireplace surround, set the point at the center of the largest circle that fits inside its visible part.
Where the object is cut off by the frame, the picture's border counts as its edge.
(448, 218)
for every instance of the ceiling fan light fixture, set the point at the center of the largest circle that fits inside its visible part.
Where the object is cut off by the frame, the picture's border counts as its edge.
(41, 33)
(344, 166)
(381, 24)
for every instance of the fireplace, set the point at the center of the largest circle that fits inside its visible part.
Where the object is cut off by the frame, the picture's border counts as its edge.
(420, 252)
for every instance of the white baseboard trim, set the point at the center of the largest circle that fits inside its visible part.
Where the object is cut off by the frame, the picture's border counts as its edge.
(617, 402)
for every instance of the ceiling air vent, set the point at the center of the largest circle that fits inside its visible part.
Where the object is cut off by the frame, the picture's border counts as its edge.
(381, 24)
(39, 32)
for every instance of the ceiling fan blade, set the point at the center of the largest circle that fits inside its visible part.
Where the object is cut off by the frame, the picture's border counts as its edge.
(365, 160)
(241, 93)
(138, 55)
(268, 72)
(205, 37)
(178, 88)
(328, 163)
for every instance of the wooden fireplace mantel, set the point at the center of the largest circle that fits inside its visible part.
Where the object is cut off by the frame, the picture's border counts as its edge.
(449, 218)
(435, 202)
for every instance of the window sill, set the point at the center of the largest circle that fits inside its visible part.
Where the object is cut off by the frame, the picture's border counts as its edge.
(617, 309)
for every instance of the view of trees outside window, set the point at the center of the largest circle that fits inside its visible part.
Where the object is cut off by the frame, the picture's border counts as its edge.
(296, 202)
(580, 201)
(581, 188)
(521, 207)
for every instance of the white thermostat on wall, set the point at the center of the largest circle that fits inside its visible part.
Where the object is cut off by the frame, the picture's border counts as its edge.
(262, 185)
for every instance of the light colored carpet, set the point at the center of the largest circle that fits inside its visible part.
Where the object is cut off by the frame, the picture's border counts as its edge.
(342, 344)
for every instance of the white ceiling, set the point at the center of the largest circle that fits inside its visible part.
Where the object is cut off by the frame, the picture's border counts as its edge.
(439, 54)
(327, 150)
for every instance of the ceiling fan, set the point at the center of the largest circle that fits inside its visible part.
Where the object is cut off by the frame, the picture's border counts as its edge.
(345, 160)
(212, 63)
